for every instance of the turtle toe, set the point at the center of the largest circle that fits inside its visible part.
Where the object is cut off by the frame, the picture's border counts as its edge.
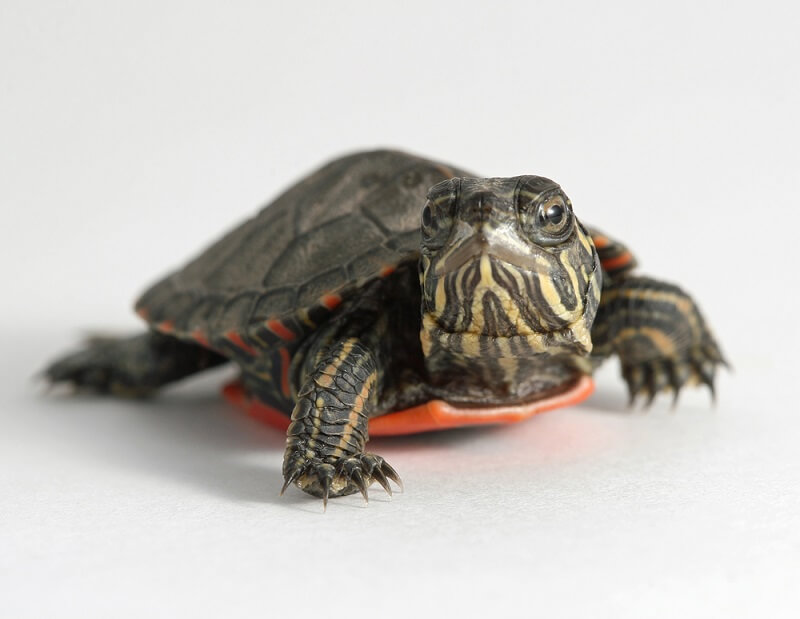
(83, 370)
(671, 375)
(346, 476)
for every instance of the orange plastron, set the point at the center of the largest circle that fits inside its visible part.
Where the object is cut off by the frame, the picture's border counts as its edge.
(433, 415)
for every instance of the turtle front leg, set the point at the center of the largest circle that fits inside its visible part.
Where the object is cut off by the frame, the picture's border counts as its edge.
(325, 442)
(661, 338)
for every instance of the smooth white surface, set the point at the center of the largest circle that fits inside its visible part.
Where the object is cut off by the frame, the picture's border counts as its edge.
(131, 134)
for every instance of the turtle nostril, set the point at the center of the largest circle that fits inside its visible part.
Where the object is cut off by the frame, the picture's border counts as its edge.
(482, 204)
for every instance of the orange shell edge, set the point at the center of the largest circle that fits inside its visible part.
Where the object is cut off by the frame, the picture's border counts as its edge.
(433, 415)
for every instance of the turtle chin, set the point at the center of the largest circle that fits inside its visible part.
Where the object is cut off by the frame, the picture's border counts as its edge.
(496, 306)
(471, 368)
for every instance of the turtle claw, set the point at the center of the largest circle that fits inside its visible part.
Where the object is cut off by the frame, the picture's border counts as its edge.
(676, 392)
(361, 470)
(392, 474)
(349, 475)
(650, 378)
(326, 489)
(358, 479)
(705, 374)
(651, 395)
(634, 376)
(378, 476)
(291, 477)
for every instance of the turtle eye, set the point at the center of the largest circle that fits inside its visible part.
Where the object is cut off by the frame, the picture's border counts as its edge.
(435, 224)
(551, 217)
(427, 217)
(549, 221)
(437, 214)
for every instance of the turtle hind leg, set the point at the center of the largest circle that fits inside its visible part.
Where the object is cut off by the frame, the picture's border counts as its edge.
(661, 338)
(131, 367)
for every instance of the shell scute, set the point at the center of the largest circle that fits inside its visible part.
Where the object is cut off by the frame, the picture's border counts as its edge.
(267, 302)
(320, 285)
(235, 312)
(352, 220)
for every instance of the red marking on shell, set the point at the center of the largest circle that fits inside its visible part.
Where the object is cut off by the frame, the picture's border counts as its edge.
(600, 242)
(617, 261)
(279, 329)
(331, 301)
(166, 327)
(200, 337)
(236, 395)
(285, 372)
(386, 271)
(235, 339)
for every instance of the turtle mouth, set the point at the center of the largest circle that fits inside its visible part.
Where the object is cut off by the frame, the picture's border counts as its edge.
(573, 338)
(509, 251)
(489, 295)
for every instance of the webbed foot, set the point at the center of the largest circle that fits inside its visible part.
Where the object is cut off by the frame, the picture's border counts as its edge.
(325, 441)
(101, 367)
(347, 475)
(130, 367)
(649, 378)
(662, 339)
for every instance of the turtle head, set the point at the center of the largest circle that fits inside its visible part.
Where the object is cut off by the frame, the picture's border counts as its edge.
(506, 270)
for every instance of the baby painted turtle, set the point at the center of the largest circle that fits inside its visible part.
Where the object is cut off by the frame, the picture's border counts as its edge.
(390, 294)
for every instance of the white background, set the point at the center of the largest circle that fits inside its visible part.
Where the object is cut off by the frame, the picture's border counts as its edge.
(133, 133)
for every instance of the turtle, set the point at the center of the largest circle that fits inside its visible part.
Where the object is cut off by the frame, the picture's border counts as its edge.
(387, 293)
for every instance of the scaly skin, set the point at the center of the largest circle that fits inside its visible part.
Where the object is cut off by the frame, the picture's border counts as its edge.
(661, 338)
(339, 377)
(131, 367)
(325, 441)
